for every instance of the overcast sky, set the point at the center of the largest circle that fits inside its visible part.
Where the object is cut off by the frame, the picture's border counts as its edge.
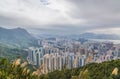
(61, 16)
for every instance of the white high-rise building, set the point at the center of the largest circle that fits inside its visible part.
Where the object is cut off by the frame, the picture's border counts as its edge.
(35, 55)
(56, 61)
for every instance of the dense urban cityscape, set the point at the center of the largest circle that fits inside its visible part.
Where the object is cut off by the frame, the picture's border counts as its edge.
(57, 54)
(59, 39)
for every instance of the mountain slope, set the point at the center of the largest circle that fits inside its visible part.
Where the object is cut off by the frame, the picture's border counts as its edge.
(12, 53)
(95, 36)
(17, 37)
(100, 36)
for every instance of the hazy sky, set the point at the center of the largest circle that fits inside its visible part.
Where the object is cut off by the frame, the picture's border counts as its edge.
(61, 16)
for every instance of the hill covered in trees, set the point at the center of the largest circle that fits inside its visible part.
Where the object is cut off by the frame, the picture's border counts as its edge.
(17, 37)
(18, 70)
(105, 70)
(12, 53)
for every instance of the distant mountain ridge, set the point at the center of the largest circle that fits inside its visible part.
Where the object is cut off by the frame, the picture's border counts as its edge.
(96, 36)
(83, 35)
(17, 37)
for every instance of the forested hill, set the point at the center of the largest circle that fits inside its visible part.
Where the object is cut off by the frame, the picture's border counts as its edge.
(17, 37)
(18, 70)
(105, 70)
(12, 53)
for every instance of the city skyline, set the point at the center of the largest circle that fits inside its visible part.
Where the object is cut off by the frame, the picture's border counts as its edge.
(61, 16)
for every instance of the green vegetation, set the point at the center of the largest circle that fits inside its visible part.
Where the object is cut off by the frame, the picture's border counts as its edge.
(15, 70)
(105, 70)
(11, 53)
(18, 70)
(17, 37)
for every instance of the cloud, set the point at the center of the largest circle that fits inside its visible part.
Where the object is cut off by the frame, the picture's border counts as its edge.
(65, 16)
(31, 10)
(102, 13)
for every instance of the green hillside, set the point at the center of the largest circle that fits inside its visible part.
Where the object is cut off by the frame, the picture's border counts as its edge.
(18, 70)
(17, 37)
(12, 53)
(91, 71)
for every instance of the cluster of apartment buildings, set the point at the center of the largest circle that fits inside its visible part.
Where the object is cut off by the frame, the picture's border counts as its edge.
(57, 54)
(54, 59)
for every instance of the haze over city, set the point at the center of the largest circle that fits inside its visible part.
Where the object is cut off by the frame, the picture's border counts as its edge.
(61, 16)
(59, 39)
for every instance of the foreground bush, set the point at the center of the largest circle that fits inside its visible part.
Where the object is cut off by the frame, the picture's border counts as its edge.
(18, 70)
(15, 70)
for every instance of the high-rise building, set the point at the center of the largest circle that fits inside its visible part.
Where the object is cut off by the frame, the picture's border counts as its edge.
(56, 61)
(35, 55)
